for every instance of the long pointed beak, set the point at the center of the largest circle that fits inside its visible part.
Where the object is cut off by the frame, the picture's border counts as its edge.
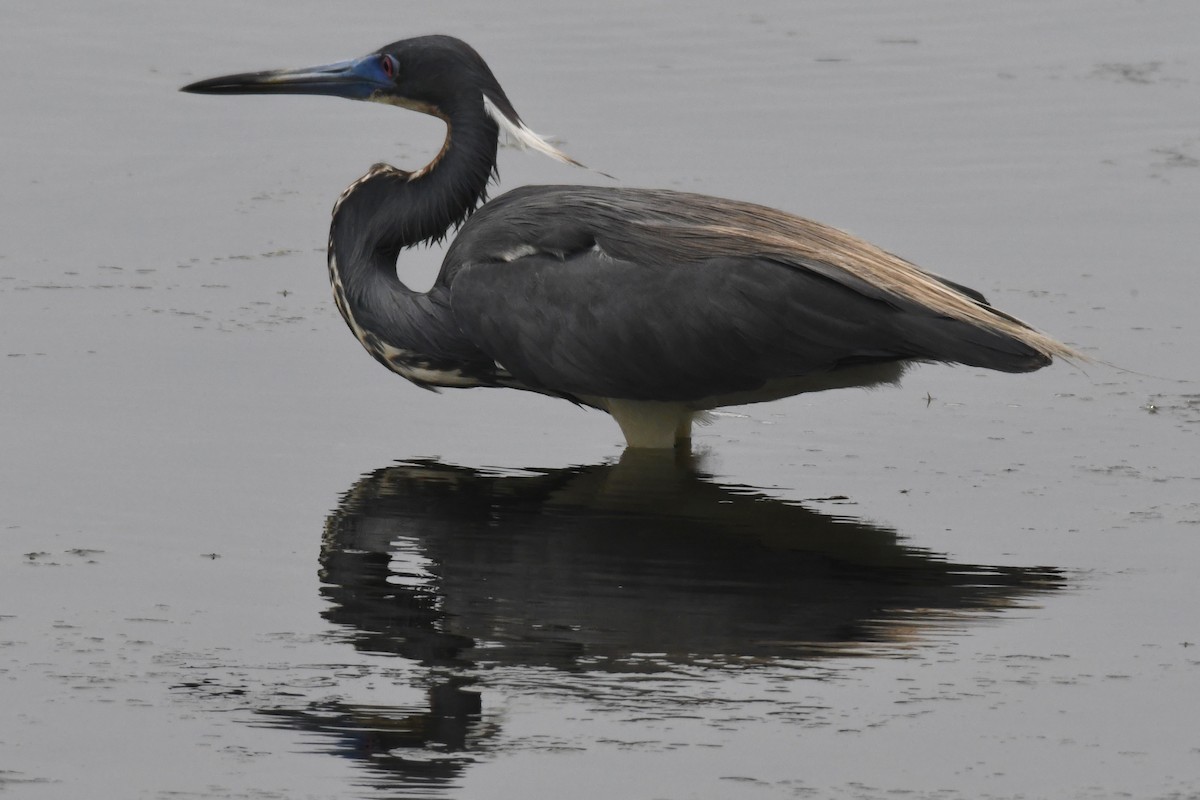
(358, 79)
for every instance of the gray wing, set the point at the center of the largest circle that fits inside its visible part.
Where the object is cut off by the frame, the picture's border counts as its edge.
(560, 298)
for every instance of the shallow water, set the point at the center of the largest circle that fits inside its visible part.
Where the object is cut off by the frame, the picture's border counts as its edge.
(240, 560)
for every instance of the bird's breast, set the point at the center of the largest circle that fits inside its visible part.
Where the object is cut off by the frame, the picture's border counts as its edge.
(424, 369)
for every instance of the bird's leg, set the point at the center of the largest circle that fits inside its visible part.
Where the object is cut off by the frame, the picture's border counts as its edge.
(683, 432)
(651, 424)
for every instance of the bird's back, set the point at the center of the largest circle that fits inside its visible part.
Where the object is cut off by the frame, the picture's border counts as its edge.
(657, 226)
(653, 294)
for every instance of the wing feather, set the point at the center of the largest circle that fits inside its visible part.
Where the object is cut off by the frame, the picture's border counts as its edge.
(644, 294)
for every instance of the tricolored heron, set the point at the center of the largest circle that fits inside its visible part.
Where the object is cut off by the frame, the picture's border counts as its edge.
(652, 305)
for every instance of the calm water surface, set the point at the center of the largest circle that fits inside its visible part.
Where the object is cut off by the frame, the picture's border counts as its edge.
(237, 559)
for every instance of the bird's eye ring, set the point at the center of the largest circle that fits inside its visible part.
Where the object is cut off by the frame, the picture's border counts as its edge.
(389, 66)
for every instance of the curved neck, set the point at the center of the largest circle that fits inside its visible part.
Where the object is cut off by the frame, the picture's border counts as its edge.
(388, 210)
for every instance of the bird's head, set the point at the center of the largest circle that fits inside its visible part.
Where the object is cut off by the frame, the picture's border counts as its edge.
(437, 75)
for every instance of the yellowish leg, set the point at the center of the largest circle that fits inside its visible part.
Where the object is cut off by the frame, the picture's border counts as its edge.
(683, 431)
(650, 424)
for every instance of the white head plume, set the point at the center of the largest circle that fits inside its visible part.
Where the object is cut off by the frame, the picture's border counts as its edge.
(524, 137)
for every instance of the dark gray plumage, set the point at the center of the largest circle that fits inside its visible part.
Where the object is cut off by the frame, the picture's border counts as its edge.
(688, 324)
(652, 305)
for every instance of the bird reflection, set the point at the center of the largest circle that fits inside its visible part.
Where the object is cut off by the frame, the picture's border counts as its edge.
(647, 564)
(642, 563)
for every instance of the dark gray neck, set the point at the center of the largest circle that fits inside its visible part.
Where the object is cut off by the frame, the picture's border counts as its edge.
(388, 210)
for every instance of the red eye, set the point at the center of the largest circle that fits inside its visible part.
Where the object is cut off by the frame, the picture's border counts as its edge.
(389, 66)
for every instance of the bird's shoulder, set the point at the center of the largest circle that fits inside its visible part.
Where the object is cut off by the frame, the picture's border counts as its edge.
(662, 229)
(672, 229)
(641, 225)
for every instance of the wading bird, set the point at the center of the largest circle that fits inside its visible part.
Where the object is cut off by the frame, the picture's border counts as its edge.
(652, 305)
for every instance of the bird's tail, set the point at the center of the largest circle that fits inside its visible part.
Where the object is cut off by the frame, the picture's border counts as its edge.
(958, 341)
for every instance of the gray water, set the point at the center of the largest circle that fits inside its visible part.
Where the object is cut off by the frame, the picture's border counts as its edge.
(238, 559)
